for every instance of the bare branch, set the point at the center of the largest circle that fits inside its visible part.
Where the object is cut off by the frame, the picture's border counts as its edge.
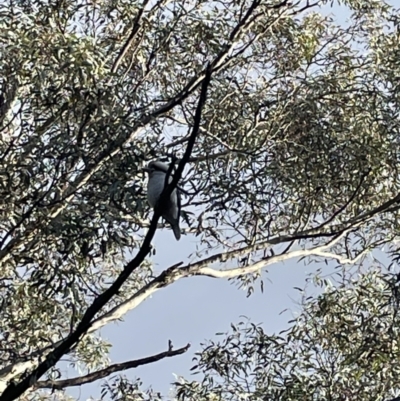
(117, 367)
(350, 200)
(201, 268)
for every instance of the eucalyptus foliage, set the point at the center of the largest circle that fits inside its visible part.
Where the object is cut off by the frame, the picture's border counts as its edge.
(297, 155)
(342, 345)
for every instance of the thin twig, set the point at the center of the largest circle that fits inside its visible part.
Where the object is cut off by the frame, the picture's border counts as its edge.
(129, 41)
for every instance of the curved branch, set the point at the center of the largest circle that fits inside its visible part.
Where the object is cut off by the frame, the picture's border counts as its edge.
(8, 372)
(201, 268)
(117, 367)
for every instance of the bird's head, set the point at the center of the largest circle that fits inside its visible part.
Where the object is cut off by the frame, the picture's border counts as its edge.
(155, 166)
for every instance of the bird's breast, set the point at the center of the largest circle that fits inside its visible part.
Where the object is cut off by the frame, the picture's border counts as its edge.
(155, 188)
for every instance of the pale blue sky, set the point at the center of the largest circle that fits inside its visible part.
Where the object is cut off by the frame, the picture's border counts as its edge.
(193, 310)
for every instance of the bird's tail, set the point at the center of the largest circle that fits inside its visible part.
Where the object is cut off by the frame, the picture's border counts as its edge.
(177, 231)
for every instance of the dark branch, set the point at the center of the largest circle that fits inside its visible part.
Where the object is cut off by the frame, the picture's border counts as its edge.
(101, 374)
(129, 41)
(13, 391)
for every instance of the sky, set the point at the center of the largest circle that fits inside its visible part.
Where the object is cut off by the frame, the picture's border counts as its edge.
(192, 310)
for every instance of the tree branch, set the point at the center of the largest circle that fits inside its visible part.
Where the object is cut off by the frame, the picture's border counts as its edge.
(129, 41)
(101, 374)
(8, 372)
(201, 268)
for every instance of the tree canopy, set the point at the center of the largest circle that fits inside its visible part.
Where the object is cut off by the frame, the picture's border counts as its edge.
(283, 129)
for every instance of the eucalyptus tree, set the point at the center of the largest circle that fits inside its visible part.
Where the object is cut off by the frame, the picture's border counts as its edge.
(282, 125)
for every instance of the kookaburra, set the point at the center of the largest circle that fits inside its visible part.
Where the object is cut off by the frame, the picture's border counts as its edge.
(170, 212)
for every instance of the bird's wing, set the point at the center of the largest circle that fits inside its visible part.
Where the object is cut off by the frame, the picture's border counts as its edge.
(178, 203)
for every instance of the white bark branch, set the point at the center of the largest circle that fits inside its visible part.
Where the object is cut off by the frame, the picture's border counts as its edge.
(202, 268)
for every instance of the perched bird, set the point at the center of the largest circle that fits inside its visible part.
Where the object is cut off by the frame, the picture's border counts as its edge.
(171, 212)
